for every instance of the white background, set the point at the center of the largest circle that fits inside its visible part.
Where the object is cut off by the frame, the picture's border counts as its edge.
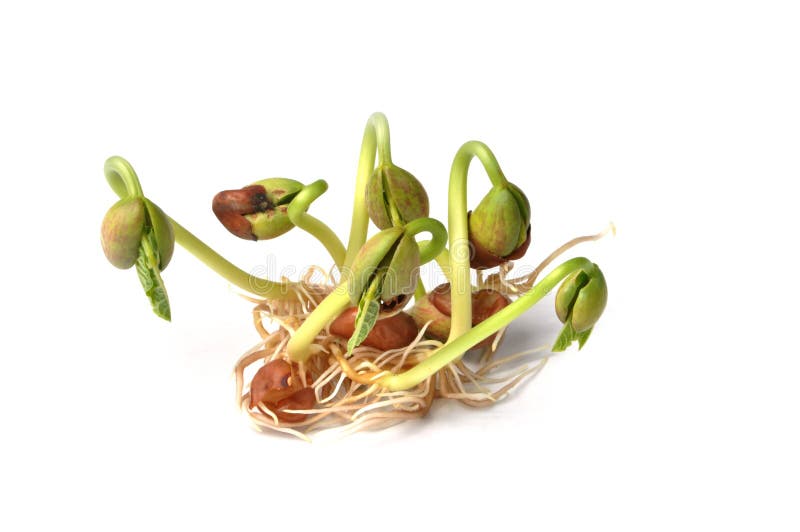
(676, 120)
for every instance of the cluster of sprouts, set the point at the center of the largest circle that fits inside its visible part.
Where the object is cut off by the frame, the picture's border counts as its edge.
(352, 351)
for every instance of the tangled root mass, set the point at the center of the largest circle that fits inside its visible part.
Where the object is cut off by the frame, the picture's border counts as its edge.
(346, 403)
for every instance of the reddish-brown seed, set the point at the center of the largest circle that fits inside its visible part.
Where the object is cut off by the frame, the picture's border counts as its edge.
(440, 297)
(230, 206)
(426, 313)
(277, 386)
(485, 303)
(389, 333)
(271, 383)
(303, 399)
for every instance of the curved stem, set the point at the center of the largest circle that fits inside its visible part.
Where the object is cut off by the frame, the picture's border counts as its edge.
(428, 249)
(381, 127)
(122, 177)
(376, 135)
(227, 270)
(455, 348)
(124, 182)
(299, 347)
(460, 286)
(315, 227)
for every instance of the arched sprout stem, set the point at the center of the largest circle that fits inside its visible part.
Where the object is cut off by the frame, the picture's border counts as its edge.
(241, 279)
(315, 227)
(122, 177)
(376, 137)
(428, 249)
(455, 348)
(459, 271)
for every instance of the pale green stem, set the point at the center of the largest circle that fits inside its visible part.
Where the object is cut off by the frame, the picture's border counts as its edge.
(420, 291)
(457, 225)
(124, 182)
(299, 347)
(122, 177)
(299, 217)
(376, 135)
(428, 249)
(228, 271)
(455, 348)
(381, 125)
(443, 260)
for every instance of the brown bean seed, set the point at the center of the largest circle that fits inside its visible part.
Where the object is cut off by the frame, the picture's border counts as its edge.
(389, 333)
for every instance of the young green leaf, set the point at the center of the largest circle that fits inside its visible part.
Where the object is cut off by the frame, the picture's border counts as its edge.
(583, 337)
(367, 316)
(565, 338)
(568, 335)
(147, 268)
